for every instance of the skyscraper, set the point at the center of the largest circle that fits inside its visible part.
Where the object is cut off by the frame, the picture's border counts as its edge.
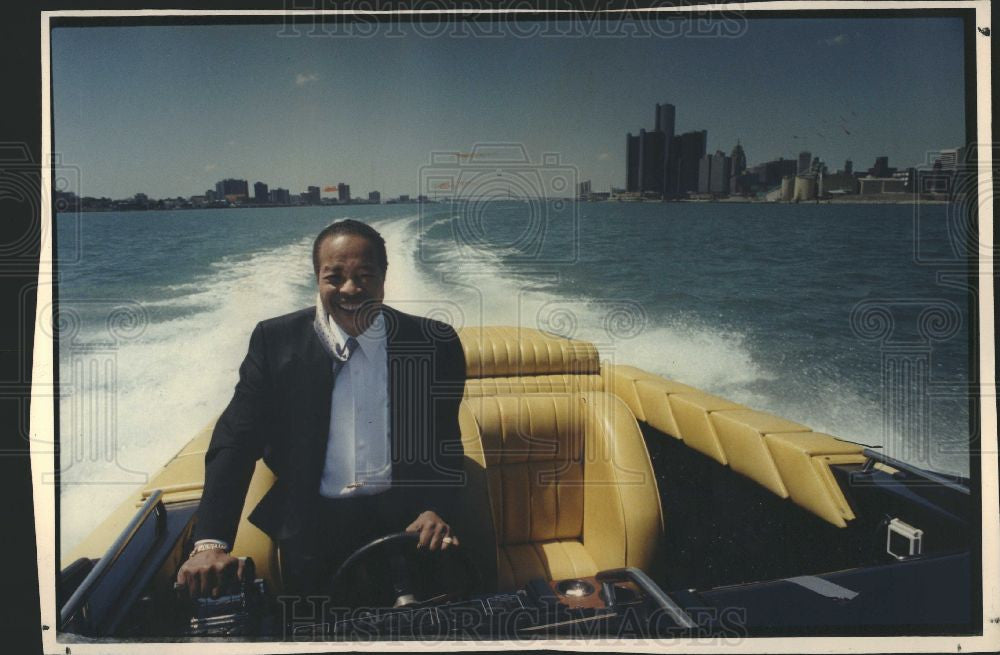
(281, 196)
(719, 175)
(232, 189)
(344, 192)
(260, 192)
(704, 174)
(631, 163)
(374, 197)
(805, 160)
(665, 119)
(686, 152)
(881, 168)
(652, 147)
(312, 195)
(738, 160)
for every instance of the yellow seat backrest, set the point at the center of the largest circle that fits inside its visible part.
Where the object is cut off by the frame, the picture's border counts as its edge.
(503, 359)
(570, 484)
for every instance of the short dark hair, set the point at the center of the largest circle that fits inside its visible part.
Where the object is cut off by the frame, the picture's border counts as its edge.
(357, 228)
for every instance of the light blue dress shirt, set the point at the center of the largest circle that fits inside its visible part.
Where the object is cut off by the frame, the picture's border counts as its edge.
(358, 461)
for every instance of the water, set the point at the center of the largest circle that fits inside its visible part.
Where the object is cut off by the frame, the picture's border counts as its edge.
(752, 302)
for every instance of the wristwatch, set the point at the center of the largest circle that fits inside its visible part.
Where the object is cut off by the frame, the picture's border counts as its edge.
(204, 545)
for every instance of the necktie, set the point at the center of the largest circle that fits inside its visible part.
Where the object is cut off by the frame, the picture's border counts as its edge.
(344, 353)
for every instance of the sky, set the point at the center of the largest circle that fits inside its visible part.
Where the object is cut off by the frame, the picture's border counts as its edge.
(170, 110)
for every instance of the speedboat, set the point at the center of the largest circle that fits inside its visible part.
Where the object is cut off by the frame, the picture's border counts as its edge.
(599, 500)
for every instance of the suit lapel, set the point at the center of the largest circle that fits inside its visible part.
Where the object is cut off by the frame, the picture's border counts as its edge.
(316, 393)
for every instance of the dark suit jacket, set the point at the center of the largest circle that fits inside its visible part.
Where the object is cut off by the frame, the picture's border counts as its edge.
(281, 412)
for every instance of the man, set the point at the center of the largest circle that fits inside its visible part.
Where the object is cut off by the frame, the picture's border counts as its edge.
(354, 406)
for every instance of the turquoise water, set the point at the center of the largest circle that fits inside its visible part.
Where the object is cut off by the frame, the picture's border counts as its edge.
(808, 311)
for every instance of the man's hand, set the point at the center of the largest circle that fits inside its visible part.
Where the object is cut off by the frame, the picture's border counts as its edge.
(434, 532)
(206, 572)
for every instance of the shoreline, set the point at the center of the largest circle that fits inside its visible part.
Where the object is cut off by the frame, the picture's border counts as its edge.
(854, 200)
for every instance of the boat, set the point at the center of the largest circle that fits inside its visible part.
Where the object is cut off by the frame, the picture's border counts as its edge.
(599, 500)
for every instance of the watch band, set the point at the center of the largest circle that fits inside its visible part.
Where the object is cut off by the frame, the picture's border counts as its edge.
(202, 546)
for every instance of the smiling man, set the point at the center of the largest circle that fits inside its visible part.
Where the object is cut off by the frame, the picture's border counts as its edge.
(354, 406)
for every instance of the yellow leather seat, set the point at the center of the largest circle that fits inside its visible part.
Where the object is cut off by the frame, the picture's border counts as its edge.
(570, 484)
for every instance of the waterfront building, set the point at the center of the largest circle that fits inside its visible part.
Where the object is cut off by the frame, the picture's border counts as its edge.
(787, 188)
(738, 160)
(949, 159)
(583, 190)
(849, 167)
(631, 162)
(805, 159)
(839, 183)
(312, 196)
(744, 184)
(719, 174)
(805, 188)
(260, 193)
(878, 185)
(881, 168)
(770, 174)
(666, 115)
(232, 189)
(280, 196)
(374, 197)
(652, 150)
(704, 173)
(686, 152)
(344, 192)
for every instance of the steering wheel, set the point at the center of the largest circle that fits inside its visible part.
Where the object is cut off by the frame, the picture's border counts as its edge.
(398, 555)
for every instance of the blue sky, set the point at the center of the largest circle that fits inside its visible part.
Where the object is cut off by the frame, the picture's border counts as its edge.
(168, 111)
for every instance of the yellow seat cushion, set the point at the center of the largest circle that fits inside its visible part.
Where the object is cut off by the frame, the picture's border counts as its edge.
(503, 351)
(549, 560)
(741, 433)
(691, 412)
(803, 459)
(653, 395)
(555, 383)
(621, 380)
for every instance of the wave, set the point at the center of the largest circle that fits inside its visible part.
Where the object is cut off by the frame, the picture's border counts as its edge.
(177, 375)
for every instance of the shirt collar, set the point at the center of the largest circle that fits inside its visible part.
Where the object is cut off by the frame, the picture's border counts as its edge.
(369, 341)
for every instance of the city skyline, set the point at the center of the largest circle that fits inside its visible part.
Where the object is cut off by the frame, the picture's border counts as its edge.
(240, 102)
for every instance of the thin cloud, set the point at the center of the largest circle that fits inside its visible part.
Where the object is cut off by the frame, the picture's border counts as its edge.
(210, 167)
(301, 79)
(840, 39)
(604, 155)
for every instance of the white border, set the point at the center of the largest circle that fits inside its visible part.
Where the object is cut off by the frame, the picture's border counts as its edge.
(43, 426)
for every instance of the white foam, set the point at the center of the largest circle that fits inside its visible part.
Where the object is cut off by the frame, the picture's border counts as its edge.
(171, 381)
(178, 376)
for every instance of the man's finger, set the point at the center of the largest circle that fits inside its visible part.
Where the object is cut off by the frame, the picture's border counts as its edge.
(449, 540)
(184, 580)
(203, 583)
(425, 535)
(240, 565)
(440, 530)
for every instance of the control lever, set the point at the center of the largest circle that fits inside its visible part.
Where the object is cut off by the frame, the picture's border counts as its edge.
(238, 610)
(651, 590)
